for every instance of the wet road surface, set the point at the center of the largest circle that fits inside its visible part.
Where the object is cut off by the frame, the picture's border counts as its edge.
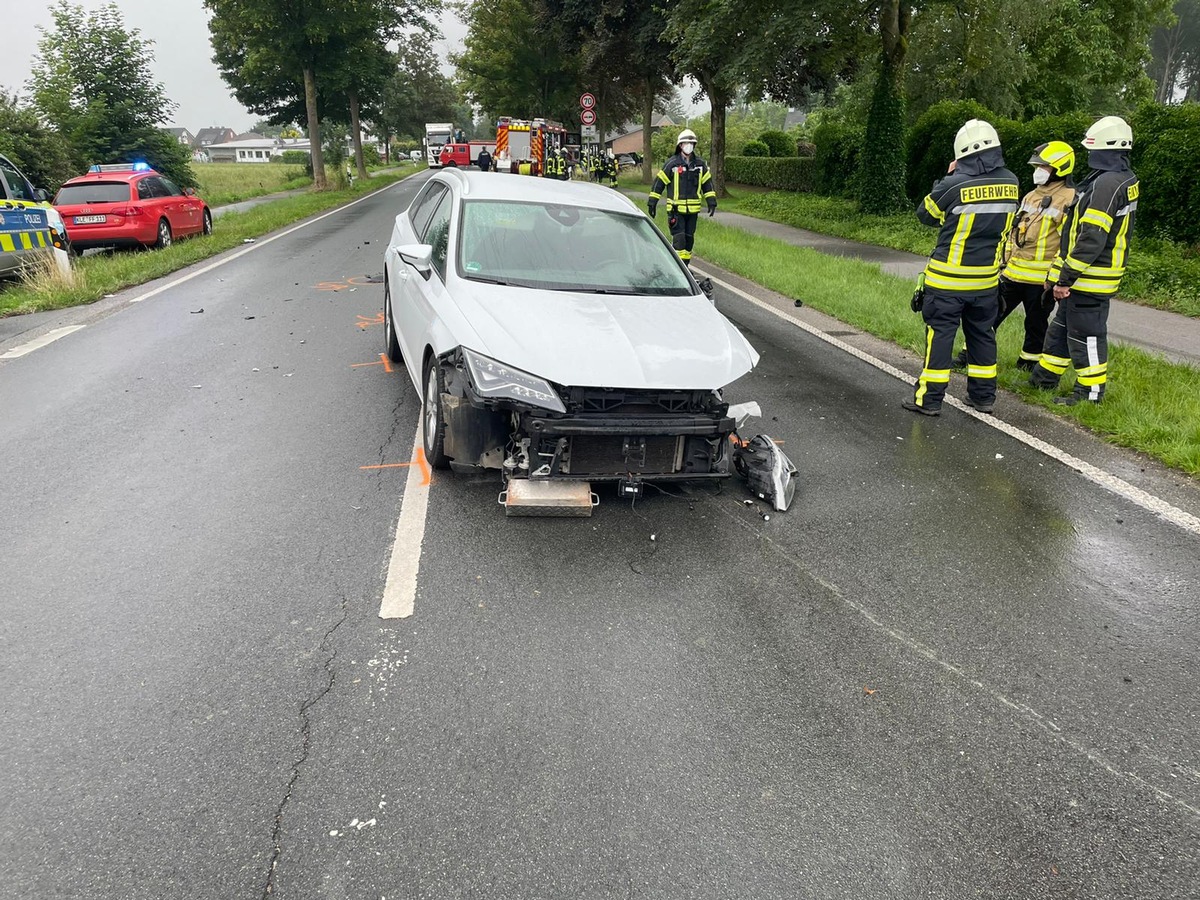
(954, 669)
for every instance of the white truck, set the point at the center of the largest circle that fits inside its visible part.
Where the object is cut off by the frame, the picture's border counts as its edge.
(437, 135)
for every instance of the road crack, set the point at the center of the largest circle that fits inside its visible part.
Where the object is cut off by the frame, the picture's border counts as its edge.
(387, 442)
(330, 677)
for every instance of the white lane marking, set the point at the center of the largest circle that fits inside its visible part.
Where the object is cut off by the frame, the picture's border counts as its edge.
(258, 245)
(38, 343)
(926, 652)
(400, 589)
(1094, 474)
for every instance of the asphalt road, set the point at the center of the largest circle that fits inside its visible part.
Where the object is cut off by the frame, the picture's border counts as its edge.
(955, 668)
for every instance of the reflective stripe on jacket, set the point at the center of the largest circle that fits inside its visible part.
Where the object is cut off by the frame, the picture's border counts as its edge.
(1097, 234)
(1034, 239)
(975, 209)
(686, 183)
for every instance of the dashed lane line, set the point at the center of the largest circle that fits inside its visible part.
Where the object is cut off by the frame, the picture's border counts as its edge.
(1094, 474)
(400, 589)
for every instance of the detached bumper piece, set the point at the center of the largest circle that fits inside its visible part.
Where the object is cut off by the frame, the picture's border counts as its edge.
(548, 497)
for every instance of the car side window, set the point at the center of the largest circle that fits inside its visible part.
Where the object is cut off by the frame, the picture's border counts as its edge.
(437, 235)
(424, 207)
(145, 189)
(171, 187)
(18, 187)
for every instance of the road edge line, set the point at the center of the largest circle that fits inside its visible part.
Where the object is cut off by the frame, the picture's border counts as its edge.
(1147, 501)
(404, 562)
(38, 343)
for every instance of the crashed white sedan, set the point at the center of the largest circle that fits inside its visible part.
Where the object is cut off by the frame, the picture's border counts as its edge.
(553, 334)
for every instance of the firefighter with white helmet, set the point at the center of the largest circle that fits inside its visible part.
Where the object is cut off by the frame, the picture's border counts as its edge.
(686, 182)
(1086, 273)
(974, 207)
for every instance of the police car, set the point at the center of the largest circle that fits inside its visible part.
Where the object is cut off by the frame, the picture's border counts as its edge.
(29, 227)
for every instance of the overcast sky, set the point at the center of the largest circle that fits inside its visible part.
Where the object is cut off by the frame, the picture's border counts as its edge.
(182, 55)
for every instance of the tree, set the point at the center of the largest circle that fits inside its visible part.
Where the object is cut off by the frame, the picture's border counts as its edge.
(1175, 55)
(416, 91)
(91, 81)
(38, 150)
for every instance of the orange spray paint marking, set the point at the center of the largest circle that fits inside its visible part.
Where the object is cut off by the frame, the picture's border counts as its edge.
(426, 472)
(365, 322)
(383, 361)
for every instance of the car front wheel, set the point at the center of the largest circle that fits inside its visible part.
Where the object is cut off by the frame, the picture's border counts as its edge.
(392, 343)
(164, 235)
(206, 228)
(433, 428)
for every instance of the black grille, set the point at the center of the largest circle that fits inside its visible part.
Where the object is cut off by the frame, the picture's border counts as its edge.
(614, 455)
(626, 402)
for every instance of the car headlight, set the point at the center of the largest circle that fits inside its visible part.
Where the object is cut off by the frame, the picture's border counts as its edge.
(54, 220)
(495, 379)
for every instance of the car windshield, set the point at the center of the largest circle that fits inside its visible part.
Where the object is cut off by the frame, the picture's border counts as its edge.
(566, 248)
(93, 192)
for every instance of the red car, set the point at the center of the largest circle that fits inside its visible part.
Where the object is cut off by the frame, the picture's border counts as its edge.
(129, 205)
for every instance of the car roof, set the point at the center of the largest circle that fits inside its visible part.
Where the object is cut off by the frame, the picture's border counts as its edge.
(503, 186)
(109, 176)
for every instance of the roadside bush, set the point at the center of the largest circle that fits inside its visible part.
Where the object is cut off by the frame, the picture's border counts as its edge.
(756, 148)
(1166, 157)
(805, 148)
(294, 157)
(930, 144)
(788, 173)
(835, 163)
(779, 143)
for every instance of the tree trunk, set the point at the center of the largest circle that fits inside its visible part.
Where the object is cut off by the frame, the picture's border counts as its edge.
(882, 177)
(314, 129)
(716, 153)
(648, 132)
(356, 136)
(387, 145)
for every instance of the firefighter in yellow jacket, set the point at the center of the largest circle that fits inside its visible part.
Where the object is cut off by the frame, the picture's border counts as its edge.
(1033, 242)
(974, 206)
(1087, 271)
(686, 183)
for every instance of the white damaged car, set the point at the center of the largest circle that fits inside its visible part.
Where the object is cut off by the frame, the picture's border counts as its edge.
(553, 334)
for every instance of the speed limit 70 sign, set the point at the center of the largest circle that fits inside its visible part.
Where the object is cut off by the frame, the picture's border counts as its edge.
(588, 117)
(588, 101)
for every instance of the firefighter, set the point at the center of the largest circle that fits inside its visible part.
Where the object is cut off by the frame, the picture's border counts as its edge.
(560, 164)
(974, 205)
(484, 160)
(688, 184)
(1032, 244)
(1088, 268)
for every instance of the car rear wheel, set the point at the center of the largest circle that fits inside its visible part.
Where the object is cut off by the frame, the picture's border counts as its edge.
(207, 227)
(164, 235)
(433, 428)
(392, 343)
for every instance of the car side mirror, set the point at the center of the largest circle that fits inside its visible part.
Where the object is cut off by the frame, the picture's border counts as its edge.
(189, 192)
(419, 256)
(41, 195)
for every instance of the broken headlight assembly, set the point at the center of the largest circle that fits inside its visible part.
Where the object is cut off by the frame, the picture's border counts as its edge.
(493, 380)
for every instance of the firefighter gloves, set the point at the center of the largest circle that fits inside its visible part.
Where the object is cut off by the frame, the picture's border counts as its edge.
(652, 207)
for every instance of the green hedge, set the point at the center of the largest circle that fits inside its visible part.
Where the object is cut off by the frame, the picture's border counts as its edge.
(294, 157)
(835, 165)
(787, 173)
(779, 143)
(756, 148)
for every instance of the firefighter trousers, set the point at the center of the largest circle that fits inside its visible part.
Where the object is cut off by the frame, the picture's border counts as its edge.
(943, 313)
(1037, 315)
(1078, 336)
(683, 233)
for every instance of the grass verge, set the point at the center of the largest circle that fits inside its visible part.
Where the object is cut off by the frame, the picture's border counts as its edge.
(225, 183)
(1162, 274)
(96, 276)
(1152, 404)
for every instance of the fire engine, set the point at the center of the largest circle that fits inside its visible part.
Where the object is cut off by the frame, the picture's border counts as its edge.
(465, 154)
(522, 145)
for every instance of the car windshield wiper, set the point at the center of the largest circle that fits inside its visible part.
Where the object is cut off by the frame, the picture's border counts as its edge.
(624, 292)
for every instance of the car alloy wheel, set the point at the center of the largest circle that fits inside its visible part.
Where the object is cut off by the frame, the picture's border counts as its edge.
(432, 426)
(391, 341)
(164, 235)
(207, 228)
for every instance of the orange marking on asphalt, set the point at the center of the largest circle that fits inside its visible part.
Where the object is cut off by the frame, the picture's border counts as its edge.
(383, 361)
(365, 322)
(359, 280)
(426, 471)
(330, 286)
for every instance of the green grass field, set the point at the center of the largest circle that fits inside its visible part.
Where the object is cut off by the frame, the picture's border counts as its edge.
(97, 275)
(1152, 405)
(223, 183)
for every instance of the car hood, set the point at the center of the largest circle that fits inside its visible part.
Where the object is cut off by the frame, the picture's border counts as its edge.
(605, 340)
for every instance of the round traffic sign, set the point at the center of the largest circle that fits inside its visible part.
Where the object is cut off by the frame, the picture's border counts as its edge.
(588, 117)
(588, 101)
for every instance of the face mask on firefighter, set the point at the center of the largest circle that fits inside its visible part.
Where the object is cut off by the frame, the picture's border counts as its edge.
(687, 148)
(1041, 175)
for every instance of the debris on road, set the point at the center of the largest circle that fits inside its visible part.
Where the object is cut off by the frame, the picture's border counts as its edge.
(769, 474)
(195, 312)
(247, 318)
(249, 241)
